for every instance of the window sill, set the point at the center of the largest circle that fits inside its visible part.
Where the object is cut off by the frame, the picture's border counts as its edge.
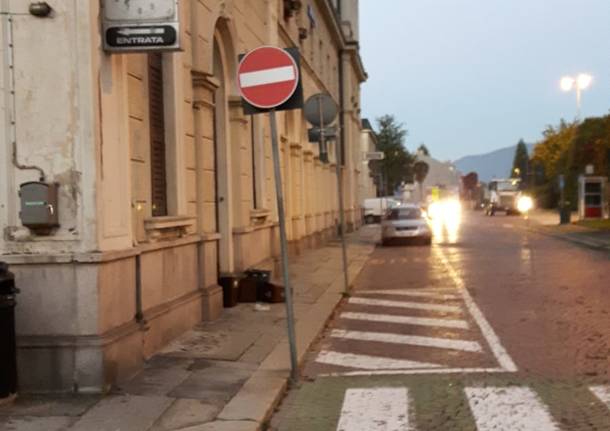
(259, 216)
(168, 227)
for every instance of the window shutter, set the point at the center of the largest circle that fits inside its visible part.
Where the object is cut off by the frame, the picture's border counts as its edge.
(157, 135)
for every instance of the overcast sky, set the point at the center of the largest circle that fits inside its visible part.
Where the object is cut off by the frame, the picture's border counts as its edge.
(470, 76)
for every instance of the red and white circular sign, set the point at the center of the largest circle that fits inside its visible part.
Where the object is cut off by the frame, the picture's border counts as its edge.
(267, 77)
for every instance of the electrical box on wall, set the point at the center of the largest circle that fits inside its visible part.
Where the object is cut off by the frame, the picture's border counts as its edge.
(39, 209)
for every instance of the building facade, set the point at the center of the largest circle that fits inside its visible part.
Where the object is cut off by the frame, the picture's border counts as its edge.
(368, 142)
(163, 183)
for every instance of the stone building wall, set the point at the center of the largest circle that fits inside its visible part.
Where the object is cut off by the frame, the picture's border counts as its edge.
(114, 283)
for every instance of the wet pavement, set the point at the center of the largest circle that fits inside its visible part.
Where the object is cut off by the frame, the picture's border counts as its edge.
(493, 327)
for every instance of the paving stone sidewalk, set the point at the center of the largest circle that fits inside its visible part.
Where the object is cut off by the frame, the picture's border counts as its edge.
(547, 222)
(220, 376)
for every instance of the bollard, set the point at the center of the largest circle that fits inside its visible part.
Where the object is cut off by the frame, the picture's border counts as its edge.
(8, 345)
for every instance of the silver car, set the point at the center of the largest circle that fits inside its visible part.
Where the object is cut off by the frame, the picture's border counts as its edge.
(407, 222)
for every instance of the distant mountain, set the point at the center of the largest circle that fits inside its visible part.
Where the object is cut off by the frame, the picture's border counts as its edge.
(496, 164)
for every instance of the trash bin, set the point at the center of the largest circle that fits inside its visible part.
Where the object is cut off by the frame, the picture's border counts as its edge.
(272, 293)
(252, 286)
(230, 289)
(565, 214)
(8, 345)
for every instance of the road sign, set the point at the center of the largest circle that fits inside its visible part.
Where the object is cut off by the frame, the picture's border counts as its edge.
(375, 155)
(267, 77)
(141, 25)
(320, 110)
(141, 37)
(314, 134)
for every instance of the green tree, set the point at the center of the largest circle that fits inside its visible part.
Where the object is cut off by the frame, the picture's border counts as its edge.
(520, 162)
(424, 150)
(397, 166)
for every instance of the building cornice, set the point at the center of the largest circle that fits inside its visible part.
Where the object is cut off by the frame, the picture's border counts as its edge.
(335, 22)
(353, 49)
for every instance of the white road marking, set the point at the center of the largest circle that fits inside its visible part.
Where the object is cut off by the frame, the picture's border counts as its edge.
(371, 409)
(267, 76)
(367, 362)
(410, 372)
(496, 347)
(603, 393)
(407, 320)
(413, 340)
(508, 409)
(404, 304)
(422, 293)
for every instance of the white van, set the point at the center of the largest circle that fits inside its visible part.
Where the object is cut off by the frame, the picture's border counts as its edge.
(374, 208)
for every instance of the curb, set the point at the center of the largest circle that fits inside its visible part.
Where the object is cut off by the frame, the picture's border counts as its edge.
(255, 402)
(580, 241)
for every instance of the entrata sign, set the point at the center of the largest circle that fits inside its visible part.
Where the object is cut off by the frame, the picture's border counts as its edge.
(141, 25)
(141, 37)
(268, 77)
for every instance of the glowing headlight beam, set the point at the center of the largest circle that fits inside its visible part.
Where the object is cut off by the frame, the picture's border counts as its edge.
(525, 204)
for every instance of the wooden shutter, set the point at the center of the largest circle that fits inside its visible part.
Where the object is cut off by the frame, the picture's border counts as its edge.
(157, 135)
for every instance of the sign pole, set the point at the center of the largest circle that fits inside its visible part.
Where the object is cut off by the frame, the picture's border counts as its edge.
(341, 213)
(294, 375)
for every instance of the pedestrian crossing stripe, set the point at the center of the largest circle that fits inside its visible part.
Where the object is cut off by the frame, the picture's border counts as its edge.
(495, 408)
(367, 362)
(375, 409)
(512, 408)
(406, 320)
(415, 293)
(602, 393)
(405, 304)
(413, 340)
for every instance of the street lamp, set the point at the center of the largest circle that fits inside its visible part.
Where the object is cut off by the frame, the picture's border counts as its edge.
(581, 82)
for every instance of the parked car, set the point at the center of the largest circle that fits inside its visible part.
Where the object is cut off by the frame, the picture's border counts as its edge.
(374, 208)
(407, 222)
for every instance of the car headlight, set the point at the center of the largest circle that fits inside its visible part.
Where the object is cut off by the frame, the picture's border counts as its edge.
(524, 204)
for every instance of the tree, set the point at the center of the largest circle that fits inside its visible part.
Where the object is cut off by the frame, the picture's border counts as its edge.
(397, 166)
(424, 150)
(421, 170)
(551, 152)
(520, 162)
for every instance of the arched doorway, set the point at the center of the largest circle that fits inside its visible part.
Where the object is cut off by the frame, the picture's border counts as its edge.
(222, 155)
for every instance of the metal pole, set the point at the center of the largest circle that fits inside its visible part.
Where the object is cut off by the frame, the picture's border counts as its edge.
(294, 374)
(341, 215)
(339, 195)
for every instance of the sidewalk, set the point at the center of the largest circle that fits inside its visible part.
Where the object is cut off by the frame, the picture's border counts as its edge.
(227, 375)
(547, 222)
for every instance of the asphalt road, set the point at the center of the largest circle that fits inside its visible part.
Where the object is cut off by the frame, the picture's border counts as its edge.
(491, 328)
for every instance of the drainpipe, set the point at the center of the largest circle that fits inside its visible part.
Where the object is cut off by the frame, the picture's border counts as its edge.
(139, 312)
(341, 108)
(9, 71)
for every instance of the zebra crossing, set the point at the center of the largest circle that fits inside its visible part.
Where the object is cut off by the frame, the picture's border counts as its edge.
(512, 408)
(409, 331)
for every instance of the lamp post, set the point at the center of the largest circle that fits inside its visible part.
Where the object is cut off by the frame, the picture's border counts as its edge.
(579, 83)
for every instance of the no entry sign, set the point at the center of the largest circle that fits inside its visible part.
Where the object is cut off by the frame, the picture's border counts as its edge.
(267, 77)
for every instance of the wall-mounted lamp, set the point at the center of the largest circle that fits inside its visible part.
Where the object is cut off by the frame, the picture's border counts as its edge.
(40, 9)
